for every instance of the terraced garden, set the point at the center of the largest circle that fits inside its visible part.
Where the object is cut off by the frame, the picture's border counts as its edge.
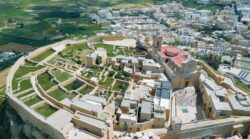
(59, 95)
(33, 101)
(74, 85)
(46, 110)
(61, 75)
(43, 55)
(23, 70)
(46, 81)
(87, 89)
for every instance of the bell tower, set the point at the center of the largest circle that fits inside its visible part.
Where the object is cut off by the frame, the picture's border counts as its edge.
(157, 42)
(156, 48)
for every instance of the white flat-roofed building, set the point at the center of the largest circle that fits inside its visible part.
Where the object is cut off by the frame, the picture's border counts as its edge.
(85, 105)
(146, 111)
(242, 62)
(93, 125)
(214, 98)
(240, 104)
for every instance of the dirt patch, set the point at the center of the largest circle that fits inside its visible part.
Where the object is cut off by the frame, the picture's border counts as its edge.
(16, 47)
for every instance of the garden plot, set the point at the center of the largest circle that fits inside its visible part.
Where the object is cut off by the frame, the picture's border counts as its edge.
(92, 72)
(43, 55)
(59, 94)
(46, 81)
(74, 85)
(60, 75)
(86, 90)
(23, 70)
(46, 110)
(31, 101)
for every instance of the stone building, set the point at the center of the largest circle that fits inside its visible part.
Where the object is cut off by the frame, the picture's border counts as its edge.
(99, 56)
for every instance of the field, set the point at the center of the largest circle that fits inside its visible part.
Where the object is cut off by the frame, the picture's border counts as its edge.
(61, 75)
(109, 48)
(46, 110)
(23, 70)
(25, 94)
(45, 80)
(74, 85)
(33, 101)
(242, 86)
(24, 85)
(60, 95)
(119, 86)
(43, 55)
(87, 89)
(107, 83)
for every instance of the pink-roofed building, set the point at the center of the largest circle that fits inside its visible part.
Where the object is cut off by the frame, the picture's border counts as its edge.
(179, 66)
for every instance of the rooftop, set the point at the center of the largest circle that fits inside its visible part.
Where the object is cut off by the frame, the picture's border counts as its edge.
(146, 107)
(177, 55)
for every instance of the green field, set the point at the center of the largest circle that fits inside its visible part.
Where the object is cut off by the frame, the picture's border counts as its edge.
(33, 101)
(92, 72)
(119, 86)
(43, 55)
(2, 93)
(60, 95)
(24, 85)
(25, 94)
(69, 51)
(45, 80)
(28, 63)
(23, 70)
(122, 75)
(74, 85)
(87, 89)
(61, 75)
(107, 83)
(109, 48)
(46, 110)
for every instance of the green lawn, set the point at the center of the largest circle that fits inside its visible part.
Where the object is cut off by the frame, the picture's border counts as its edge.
(71, 49)
(25, 94)
(2, 92)
(109, 48)
(242, 86)
(60, 95)
(107, 64)
(111, 73)
(74, 85)
(122, 75)
(33, 101)
(43, 55)
(61, 75)
(25, 84)
(107, 94)
(93, 72)
(107, 83)
(46, 110)
(87, 89)
(28, 63)
(119, 86)
(45, 80)
(22, 70)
